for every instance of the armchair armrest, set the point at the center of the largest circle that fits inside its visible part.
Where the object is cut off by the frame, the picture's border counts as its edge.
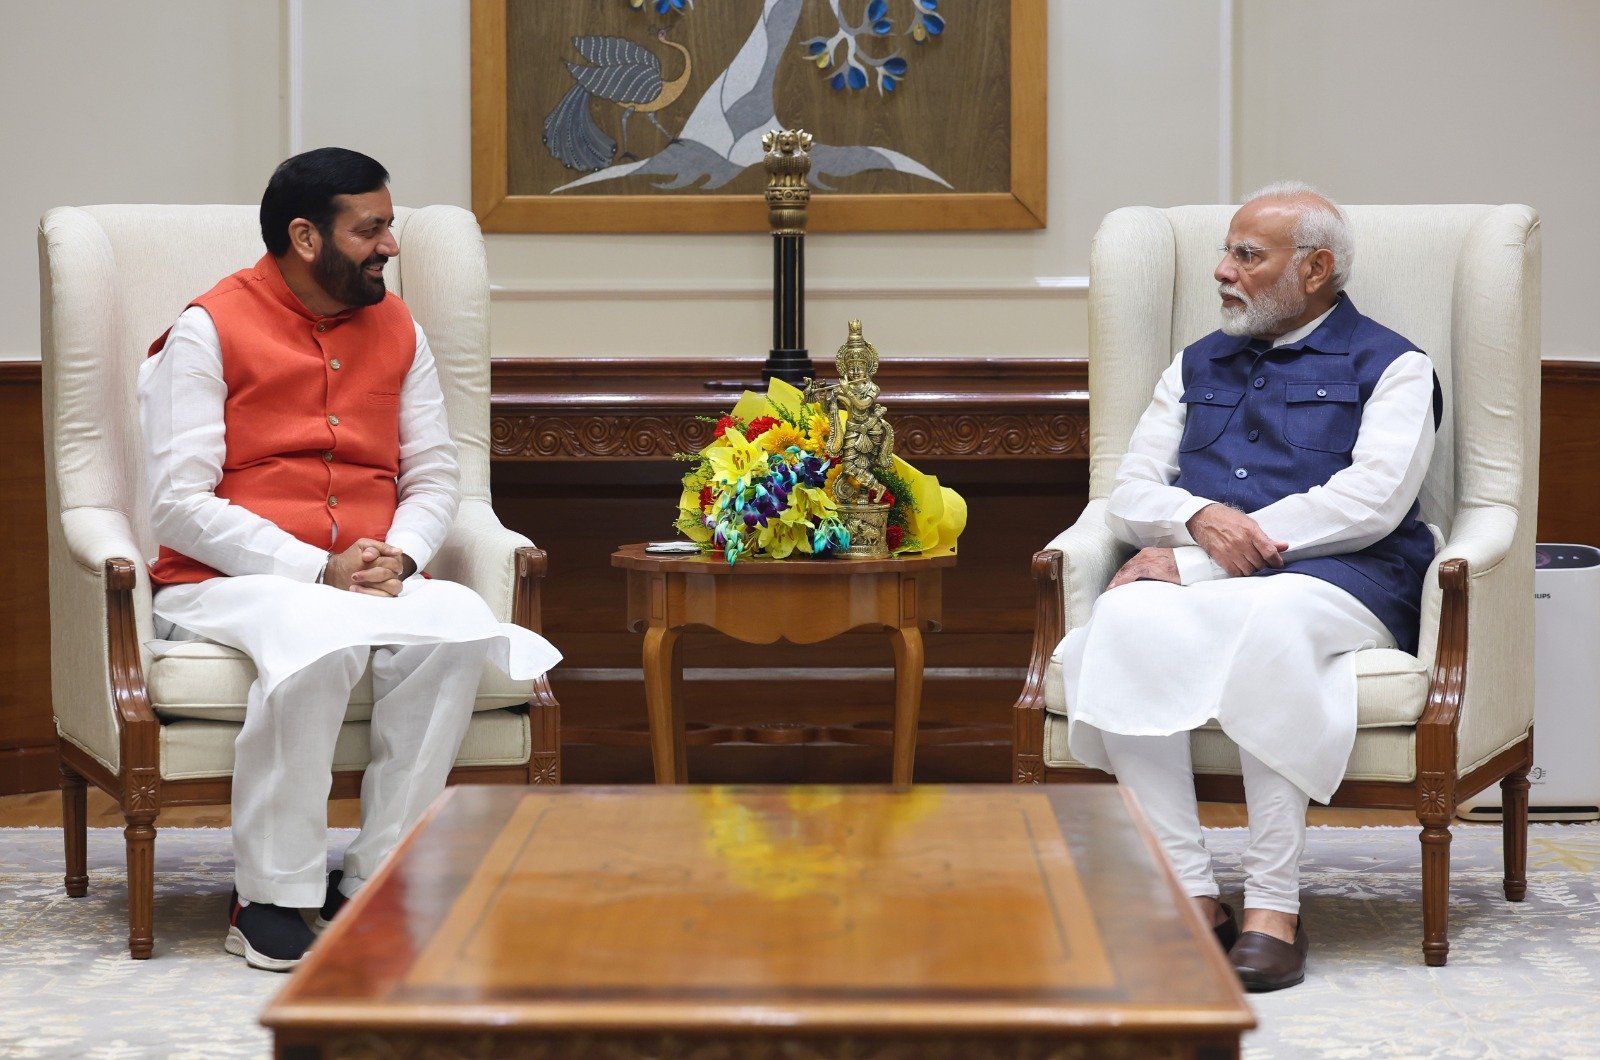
(1482, 537)
(1477, 637)
(1069, 574)
(1090, 556)
(100, 618)
(483, 555)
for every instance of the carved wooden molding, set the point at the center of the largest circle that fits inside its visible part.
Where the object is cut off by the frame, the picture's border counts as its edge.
(632, 408)
(572, 435)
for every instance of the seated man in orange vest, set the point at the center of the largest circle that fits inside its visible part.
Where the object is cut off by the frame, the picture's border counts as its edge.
(301, 471)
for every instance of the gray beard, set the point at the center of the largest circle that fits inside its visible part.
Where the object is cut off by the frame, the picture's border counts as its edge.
(1268, 311)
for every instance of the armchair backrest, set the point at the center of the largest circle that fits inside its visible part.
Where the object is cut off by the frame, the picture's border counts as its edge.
(1462, 282)
(113, 278)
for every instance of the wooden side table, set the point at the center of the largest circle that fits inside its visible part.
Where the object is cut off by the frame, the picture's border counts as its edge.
(760, 601)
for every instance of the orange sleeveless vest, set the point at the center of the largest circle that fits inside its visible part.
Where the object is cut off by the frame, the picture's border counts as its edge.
(312, 417)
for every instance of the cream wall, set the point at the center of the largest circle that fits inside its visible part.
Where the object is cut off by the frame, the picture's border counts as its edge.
(1150, 101)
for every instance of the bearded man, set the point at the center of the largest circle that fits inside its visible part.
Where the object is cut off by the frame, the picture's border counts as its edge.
(301, 472)
(1271, 488)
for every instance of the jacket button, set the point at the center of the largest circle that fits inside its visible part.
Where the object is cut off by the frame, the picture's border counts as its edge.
(1254, 435)
(1209, 395)
(327, 455)
(334, 365)
(1322, 393)
(1240, 473)
(322, 327)
(1259, 383)
(334, 420)
(333, 502)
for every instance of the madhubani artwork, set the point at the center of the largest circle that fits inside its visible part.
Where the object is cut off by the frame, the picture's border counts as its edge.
(670, 98)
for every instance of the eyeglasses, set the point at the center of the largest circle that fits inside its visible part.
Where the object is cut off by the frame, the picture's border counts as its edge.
(1248, 257)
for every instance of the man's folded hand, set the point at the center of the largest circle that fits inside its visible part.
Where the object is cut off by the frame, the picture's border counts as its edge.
(1151, 564)
(1234, 540)
(369, 566)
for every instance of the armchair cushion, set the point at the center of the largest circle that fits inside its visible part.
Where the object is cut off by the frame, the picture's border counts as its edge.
(1391, 691)
(210, 682)
(200, 750)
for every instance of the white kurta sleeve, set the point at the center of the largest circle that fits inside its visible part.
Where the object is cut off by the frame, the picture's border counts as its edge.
(181, 399)
(1145, 509)
(1363, 503)
(429, 481)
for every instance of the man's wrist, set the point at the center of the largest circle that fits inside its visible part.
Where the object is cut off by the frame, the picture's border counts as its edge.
(408, 566)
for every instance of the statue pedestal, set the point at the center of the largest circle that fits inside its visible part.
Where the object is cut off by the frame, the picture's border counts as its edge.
(868, 525)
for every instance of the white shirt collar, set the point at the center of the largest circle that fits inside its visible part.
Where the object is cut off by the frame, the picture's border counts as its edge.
(1299, 333)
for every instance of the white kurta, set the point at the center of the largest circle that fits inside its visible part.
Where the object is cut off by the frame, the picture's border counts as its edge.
(1269, 658)
(271, 608)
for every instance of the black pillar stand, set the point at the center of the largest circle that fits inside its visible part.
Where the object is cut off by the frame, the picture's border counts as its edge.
(789, 359)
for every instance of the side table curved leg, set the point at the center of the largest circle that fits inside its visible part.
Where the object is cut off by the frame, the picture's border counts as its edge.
(907, 643)
(663, 686)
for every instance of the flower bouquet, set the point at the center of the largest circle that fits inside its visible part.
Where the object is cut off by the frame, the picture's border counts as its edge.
(766, 486)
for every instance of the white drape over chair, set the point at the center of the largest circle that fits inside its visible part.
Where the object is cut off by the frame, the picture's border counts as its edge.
(155, 732)
(1463, 283)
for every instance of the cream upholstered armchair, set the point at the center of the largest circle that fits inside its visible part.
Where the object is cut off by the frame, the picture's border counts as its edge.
(159, 732)
(1435, 728)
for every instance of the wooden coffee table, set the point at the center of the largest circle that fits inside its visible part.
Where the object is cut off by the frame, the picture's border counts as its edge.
(760, 601)
(959, 922)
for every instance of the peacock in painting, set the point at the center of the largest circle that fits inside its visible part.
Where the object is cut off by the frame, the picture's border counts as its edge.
(620, 72)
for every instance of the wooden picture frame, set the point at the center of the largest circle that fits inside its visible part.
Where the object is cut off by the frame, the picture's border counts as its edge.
(1018, 204)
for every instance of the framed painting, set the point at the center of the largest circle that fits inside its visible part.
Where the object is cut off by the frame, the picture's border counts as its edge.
(647, 115)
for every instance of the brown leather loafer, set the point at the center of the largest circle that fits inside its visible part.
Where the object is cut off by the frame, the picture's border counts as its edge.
(1227, 932)
(1265, 963)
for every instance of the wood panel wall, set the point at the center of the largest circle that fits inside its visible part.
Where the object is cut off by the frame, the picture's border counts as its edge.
(582, 464)
(27, 732)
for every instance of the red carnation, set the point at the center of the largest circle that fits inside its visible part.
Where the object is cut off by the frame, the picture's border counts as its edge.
(894, 537)
(759, 426)
(723, 425)
(887, 498)
(706, 498)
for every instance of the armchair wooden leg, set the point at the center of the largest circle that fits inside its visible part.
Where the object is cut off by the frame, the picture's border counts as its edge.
(140, 835)
(1514, 816)
(544, 717)
(1435, 891)
(75, 830)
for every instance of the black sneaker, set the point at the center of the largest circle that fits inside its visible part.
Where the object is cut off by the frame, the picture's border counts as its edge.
(331, 905)
(267, 936)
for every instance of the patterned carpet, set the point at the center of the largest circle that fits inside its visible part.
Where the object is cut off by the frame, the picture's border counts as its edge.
(1523, 981)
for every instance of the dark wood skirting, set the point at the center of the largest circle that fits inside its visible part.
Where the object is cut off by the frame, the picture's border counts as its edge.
(582, 463)
(27, 728)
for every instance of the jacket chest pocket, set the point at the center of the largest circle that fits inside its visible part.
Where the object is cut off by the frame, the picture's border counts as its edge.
(1322, 416)
(1207, 410)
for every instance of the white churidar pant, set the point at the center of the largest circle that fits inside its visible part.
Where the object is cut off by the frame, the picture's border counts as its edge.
(1270, 658)
(310, 645)
(1159, 771)
(283, 766)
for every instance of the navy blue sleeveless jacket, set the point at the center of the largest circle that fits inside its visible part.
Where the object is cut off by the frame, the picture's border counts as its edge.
(1259, 427)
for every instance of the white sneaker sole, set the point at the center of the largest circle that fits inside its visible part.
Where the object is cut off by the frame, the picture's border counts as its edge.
(239, 946)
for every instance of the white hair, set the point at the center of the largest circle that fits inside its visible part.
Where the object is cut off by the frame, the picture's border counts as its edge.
(1321, 224)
